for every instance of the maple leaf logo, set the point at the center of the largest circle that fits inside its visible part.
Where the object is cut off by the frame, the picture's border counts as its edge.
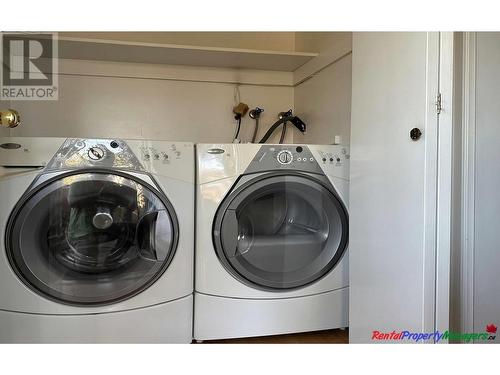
(491, 328)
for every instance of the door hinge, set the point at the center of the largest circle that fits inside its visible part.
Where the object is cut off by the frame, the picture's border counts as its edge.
(438, 104)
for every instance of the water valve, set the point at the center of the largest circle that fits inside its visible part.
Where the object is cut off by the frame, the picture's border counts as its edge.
(255, 113)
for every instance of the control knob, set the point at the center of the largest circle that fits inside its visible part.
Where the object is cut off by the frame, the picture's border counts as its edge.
(285, 157)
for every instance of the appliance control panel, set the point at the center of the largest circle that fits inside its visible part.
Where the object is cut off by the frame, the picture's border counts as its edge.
(105, 153)
(131, 155)
(164, 155)
(290, 157)
(165, 158)
(284, 157)
(334, 157)
(168, 159)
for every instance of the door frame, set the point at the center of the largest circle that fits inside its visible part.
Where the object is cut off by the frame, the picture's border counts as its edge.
(468, 183)
(438, 182)
(444, 196)
(430, 183)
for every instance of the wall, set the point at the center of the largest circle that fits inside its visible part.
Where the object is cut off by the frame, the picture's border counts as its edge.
(322, 96)
(107, 99)
(129, 106)
(4, 104)
(320, 41)
(324, 103)
(330, 46)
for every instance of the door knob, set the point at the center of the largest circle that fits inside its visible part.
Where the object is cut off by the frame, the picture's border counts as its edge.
(415, 134)
(9, 118)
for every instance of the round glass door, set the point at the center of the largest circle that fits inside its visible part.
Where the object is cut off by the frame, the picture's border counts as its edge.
(281, 232)
(91, 238)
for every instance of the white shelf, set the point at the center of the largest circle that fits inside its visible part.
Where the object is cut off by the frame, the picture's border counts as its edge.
(171, 54)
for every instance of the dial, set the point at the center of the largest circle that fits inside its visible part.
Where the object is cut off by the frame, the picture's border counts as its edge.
(285, 157)
(95, 153)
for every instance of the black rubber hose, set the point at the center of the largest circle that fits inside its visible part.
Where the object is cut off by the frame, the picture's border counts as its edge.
(283, 133)
(256, 130)
(274, 127)
(238, 130)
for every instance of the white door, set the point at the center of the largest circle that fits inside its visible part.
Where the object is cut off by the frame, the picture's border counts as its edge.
(394, 186)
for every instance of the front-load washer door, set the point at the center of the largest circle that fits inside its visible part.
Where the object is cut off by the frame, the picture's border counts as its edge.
(91, 238)
(281, 231)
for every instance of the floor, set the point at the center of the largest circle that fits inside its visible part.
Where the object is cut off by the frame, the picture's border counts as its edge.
(333, 336)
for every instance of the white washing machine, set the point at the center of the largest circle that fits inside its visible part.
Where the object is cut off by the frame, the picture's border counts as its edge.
(96, 240)
(271, 239)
